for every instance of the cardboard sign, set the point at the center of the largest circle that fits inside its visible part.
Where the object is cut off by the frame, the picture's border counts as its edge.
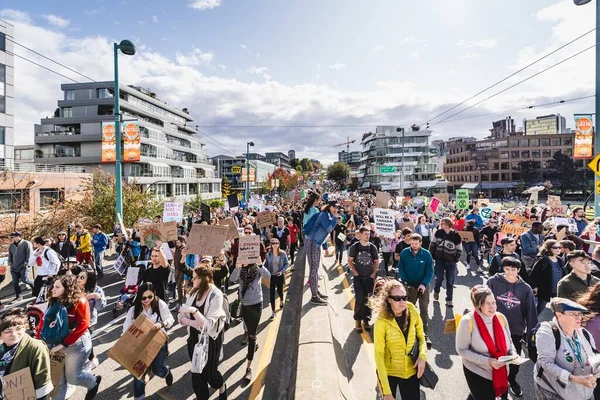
(18, 386)
(341, 237)
(207, 240)
(555, 208)
(265, 219)
(434, 204)
(485, 212)
(450, 326)
(419, 201)
(57, 366)
(443, 197)
(570, 222)
(173, 212)
(205, 213)
(403, 225)
(515, 225)
(384, 222)
(249, 250)
(138, 347)
(164, 232)
(232, 232)
(382, 199)
(466, 236)
(132, 276)
(560, 235)
(483, 203)
(495, 207)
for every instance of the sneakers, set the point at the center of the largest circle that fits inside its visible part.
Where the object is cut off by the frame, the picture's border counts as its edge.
(70, 390)
(281, 304)
(318, 301)
(248, 375)
(449, 304)
(467, 266)
(245, 339)
(428, 342)
(91, 364)
(94, 391)
(323, 296)
(169, 378)
(480, 270)
(358, 327)
(436, 296)
(272, 317)
(515, 389)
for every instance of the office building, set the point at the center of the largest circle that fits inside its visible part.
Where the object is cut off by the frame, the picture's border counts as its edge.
(406, 149)
(545, 125)
(279, 159)
(291, 154)
(503, 128)
(7, 90)
(231, 168)
(352, 158)
(174, 162)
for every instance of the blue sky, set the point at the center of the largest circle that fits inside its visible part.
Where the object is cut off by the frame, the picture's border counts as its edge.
(327, 62)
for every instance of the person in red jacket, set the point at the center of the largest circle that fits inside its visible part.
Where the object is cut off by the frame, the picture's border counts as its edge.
(76, 346)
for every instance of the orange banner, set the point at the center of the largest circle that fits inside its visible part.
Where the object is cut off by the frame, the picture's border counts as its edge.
(131, 142)
(584, 134)
(109, 142)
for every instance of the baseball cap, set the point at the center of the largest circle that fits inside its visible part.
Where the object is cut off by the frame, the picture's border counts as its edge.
(558, 304)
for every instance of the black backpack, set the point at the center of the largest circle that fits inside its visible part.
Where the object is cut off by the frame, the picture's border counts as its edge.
(532, 349)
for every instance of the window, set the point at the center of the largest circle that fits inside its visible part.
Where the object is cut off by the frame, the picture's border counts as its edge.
(556, 142)
(567, 141)
(506, 177)
(535, 154)
(104, 93)
(67, 112)
(193, 188)
(505, 166)
(525, 154)
(496, 166)
(2, 135)
(568, 152)
(180, 189)
(2, 42)
(545, 142)
(14, 201)
(495, 177)
(23, 154)
(514, 154)
(69, 95)
(63, 150)
(547, 153)
(49, 197)
(2, 88)
(514, 143)
(524, 143)
(504, 155)
(534, 142)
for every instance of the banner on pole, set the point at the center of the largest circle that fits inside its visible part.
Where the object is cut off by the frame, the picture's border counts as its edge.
(584, 135)
(131, 142)
(109, 142)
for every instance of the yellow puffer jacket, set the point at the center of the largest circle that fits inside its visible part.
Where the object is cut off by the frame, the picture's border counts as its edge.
(392, 351)
(85, 241)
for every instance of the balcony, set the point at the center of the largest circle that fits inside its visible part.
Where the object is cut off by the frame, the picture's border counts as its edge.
(58, 133)
(31, 167)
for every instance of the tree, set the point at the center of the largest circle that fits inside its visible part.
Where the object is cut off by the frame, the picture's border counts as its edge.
(306, 165)
(225, 187)
(338, 172)
(299, 169)
(316, 165)
(530, 172)
(294, 163)
(287, 181)
(562, 171)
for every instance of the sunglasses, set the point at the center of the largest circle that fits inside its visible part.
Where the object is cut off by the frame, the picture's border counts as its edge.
(248, 232)
(275, 243)
(398, 298)
(556, 247)
(147, 298)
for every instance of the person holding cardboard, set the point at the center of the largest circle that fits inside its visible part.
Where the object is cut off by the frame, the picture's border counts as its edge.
(547, 271)
(19, 351)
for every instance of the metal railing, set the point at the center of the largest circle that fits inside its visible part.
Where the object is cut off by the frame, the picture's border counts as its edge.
(31, 167)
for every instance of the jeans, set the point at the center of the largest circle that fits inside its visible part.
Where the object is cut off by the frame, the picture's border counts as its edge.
(514, 369)
(449, 269)
(21, 276)
(413, 296)
(98, 257)
(472, 249)
(251, 317)
(363, 287)
(387, 259)
(293, 248)
(339, 251)
(480, 387)
(210, 374)
(75, 357)
(158, 368)
(38, 283)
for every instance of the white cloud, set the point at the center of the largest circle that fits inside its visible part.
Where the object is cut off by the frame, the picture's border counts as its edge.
(484, 44)
(378, 48)
(467, 56)
(196, 57)
(91, 12)
(15, 15)
(223, 67)
(141, 23)
(257, 70)
(415, 54)
(155, 19)
(204, 4)
(337, 66)
(55, 20)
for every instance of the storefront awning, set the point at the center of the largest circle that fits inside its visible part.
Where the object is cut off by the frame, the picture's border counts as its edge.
(469, 185)
(499, 185)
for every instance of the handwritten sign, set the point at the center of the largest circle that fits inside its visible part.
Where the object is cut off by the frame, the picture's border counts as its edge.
(18, 385)
(120, 265)
(384, 222)
(444, 197)
(382, 199)
(466, 236)
(408, 225)
(57, 366)
(515, 225)
(232, 232)
(164, 232)
(434, 204)
(249, 250)
(132, 276)
(483, 203)
(265, 219)
(570, 222)
(341, 237)
(207, 240)
(173, 212)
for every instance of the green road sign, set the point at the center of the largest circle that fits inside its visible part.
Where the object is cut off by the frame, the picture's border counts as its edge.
(387, 169)
(462, 199)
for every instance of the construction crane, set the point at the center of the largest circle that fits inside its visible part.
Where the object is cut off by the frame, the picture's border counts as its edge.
(347, 143)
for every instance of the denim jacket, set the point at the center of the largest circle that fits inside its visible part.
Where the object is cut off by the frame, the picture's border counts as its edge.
(283, 262)
(324, 224)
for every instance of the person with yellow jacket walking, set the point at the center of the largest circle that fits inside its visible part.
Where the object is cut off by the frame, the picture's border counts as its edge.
(82, 240)
(400, 347)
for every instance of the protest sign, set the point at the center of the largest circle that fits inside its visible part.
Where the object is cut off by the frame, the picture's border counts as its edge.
(18, 386)
(173, 212)
(483, 203)
(466, 236)
(204, 213)
(207, 240)
(233, 201)
(382, 199)
(410, 225)
(462, 199)
(450, 326)
(233, 232)
(485, 212)
(132, 276)
(570, 222)
(419, 201)
(120, 265)
(137, 348)
(515, 225)
(555, 208)
(265, 219)
(57, 366)
(384, 222)
(164, 232)
(560, 235)
(443, 197)
(495, 207)
(249, 250)
(341, 237)
(435, 203)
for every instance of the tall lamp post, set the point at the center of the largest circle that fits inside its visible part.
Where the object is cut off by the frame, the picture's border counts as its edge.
(596, 135)
(127, 48)
(402, 164)
(248, 144)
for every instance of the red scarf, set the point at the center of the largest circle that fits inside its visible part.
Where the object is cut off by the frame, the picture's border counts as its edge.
(497, 350)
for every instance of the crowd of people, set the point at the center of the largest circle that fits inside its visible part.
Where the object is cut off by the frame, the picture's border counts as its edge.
(393, 279)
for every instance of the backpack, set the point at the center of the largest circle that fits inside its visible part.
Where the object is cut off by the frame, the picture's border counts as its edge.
(531, 343)
(56, 324)
(310, 224)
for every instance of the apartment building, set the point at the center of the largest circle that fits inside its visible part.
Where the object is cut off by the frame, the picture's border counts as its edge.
(231, 168)
(7, 78)
(174, 162)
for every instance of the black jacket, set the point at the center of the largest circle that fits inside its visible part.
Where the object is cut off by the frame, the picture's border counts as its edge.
(495, 265)
(540, 277)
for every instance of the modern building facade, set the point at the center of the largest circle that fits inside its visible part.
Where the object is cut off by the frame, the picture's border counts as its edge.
(291, 154)
(279, 159)
(231, 168)
(406, 149)
(546, 125)
(174, 162)
(503, 128)
(7, 90)
(351, 158)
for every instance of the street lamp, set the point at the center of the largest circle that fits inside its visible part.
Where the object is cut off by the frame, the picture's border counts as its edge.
(248, 144)
(126, 48)
(596, 135)
(402, 164)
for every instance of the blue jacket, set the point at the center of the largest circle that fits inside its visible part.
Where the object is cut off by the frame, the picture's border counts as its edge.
(415, 269)
(530, 243)
(580, 226)
(477, 218)
(323, 226)
(283, 262)
(99, 241)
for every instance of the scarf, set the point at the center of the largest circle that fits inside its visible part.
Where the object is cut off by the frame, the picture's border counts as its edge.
(497, 350)
(247, 275)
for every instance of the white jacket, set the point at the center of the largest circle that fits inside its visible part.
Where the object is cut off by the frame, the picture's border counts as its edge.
(50, 261)
(214, 314)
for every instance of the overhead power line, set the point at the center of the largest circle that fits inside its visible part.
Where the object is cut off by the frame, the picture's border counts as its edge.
(513, 74)
(41, 66)
(516, 84)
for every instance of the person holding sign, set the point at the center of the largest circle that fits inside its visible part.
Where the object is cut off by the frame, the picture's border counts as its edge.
(158, 272)
(547, 271)
(157, 311)
(203, 310)
(19, 351)
(340, 240)
(277, 263)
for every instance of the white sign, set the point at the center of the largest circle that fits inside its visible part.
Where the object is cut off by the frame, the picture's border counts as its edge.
(120, 265)
(570, 222)
(384, 222)
(173, 212)
(132, 276)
